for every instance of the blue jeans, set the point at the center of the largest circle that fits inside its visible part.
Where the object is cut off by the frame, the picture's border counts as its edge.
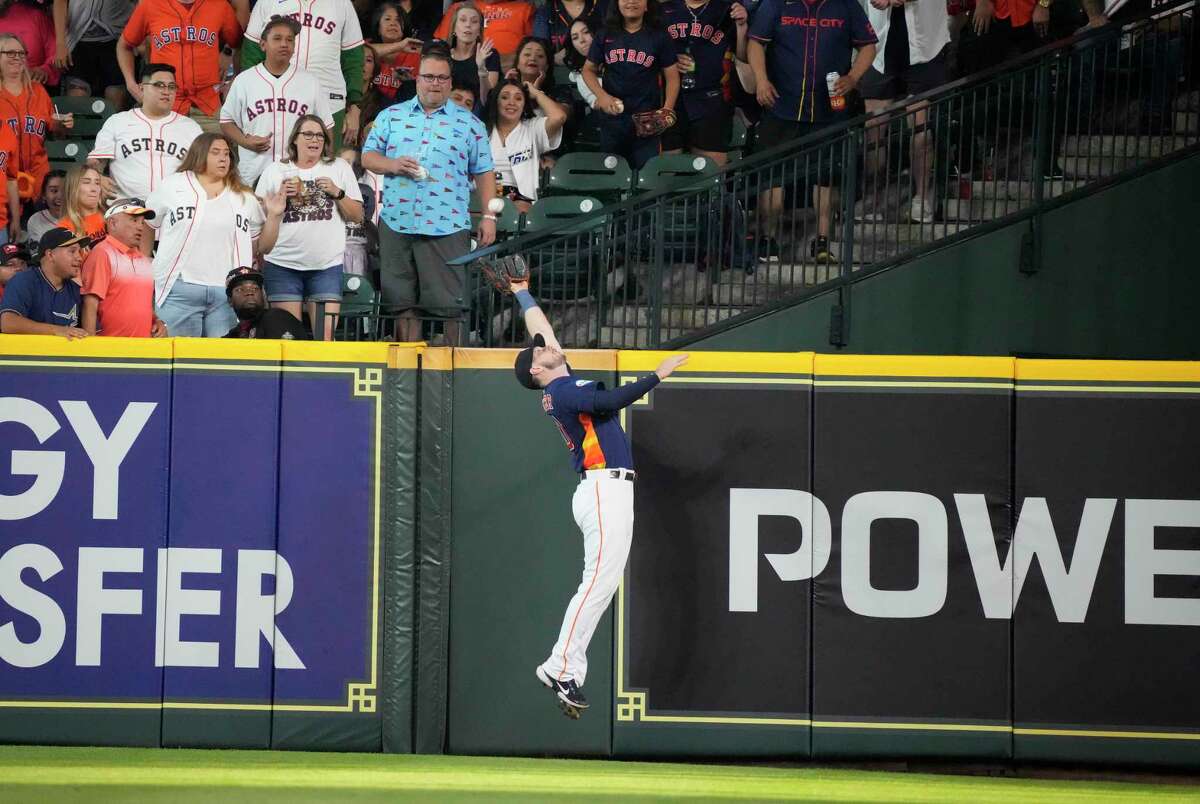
(290, 285)
(197, 311)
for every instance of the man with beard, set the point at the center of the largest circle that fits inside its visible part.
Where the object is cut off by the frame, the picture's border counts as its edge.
(244, 287)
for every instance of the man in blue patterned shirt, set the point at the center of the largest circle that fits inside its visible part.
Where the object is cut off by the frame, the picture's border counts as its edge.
(428, 151)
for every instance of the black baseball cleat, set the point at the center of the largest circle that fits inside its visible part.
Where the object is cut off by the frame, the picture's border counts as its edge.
(567, 693)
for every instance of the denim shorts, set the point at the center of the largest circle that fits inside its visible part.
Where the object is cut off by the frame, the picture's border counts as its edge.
(290, 285)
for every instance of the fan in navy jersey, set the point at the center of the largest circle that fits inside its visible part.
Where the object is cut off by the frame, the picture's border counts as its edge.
(807, 42)
(553, 22)
(634, 51)
(706, 34)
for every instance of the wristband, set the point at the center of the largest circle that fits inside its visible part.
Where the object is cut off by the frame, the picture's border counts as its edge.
(489, 217)
(341, 194)
(525, 299)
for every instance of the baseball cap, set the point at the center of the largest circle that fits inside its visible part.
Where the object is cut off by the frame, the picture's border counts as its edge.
(59, 237)
(13, 250)
(524, 362)
(239, 275)
(133, 206)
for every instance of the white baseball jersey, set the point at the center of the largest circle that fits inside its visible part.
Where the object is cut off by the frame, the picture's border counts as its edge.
(201, 239)
(263, 104)
(143, 151)
(327, 27)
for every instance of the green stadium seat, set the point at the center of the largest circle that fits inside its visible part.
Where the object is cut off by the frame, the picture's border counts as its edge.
(70, 151)
(508, 223)
(83, 107)
(587, 135)
(574, 267)
(85, 128)
(360, 309)
(669, 171)
(737, 139)
(603, 177)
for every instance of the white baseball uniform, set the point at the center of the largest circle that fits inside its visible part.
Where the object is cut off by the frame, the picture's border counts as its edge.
(201, 238)
(263, 104)
(142, 151)
(327, 27)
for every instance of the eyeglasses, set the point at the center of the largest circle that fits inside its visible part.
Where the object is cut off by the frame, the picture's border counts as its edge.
(20, 55)
(434, 79)
(161, 86)
(313, 135)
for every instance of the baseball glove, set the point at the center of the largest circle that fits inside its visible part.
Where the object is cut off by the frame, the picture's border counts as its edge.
(501, 273)
(651, 124)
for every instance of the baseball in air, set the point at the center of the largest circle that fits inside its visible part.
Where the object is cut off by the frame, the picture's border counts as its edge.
(496, 205)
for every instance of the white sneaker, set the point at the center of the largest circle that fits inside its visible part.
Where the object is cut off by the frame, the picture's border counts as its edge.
(921, 212)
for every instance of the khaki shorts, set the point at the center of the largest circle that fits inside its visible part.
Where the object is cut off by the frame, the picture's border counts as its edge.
(414, 274)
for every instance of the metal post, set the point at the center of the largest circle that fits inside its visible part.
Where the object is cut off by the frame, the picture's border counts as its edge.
(1043, 158)
(839, 323)
(656, 275)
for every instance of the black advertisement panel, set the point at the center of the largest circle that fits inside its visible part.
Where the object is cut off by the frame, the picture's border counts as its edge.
(911, 627)
(713, 615)
(1107, 616)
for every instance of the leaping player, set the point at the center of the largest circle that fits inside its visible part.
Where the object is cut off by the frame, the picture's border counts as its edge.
(586, 413)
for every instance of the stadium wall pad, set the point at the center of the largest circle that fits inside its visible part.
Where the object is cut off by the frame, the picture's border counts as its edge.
(835, 556)
(1117, 280)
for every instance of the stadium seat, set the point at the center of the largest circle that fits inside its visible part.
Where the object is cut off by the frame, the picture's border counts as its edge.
(573, 267)
(508, 223)
(602, 177)
(83, 107)
(737, 140)
(671, 171)
(65, 154)
(360, 309)
(587, 134)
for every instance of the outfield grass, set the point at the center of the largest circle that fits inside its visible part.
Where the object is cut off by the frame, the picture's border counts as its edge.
(42, 774)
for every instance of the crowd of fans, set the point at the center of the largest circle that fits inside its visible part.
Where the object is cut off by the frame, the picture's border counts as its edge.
(262, 151)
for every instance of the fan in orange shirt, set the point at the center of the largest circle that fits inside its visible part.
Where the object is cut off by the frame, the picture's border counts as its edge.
(505, 22)
(28, 112)
(189, 37)
(10, 209)
(85, 215)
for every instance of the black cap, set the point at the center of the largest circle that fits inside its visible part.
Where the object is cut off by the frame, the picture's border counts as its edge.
(239, 275)
(524, 362)
(11, 251)
(59, 237)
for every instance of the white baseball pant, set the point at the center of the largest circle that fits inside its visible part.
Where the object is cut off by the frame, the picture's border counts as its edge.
(603, 509)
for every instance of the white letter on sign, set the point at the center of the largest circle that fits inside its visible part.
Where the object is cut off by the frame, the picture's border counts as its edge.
(809, 559)
(857, 517)
(256, 611)
(1143, 562)
(174, 601)
(95, 601)
(37, 605)
(107, 453)
(45, 466)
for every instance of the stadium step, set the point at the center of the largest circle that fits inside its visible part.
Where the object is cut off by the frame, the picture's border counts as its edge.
(677, 318)
(1122, 146)
(1187, 122)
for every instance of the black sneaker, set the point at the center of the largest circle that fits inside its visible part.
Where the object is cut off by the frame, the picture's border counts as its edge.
(819, 249)
(570, 697)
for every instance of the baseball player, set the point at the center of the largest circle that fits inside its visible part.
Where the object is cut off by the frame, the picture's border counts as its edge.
(188, 36)
(143, 146)
(330, 46)
(587, 415)
(706, 34)
(265, 101)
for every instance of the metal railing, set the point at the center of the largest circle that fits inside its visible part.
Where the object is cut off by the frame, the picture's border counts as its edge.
(971, 156)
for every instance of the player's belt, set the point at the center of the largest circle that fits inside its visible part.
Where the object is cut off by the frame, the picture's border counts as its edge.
(609, 474)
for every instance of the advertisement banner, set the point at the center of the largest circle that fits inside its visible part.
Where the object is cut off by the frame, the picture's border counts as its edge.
(1107, 552)
(912, 481)
(713, 614)
(170, 542)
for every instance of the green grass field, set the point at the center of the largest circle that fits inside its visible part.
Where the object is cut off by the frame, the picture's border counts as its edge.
(39, 774)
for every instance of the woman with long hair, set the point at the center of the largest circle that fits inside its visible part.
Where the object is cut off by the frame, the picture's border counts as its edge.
(374, 101)
(397, 52)
(647, 83)
(474, 61)
(303, 262)
(27, 106)
(582, 34)
(554, 20)
(83, 209)
(208, 220)
(519, 139)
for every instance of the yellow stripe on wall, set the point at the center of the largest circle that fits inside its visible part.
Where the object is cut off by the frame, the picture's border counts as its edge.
(359, 352)
(55, 346)
(1108, 370)
(722, 362)
(913, 366)
(580, 359)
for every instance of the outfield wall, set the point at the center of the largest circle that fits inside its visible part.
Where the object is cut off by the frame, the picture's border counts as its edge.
(835, 556)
